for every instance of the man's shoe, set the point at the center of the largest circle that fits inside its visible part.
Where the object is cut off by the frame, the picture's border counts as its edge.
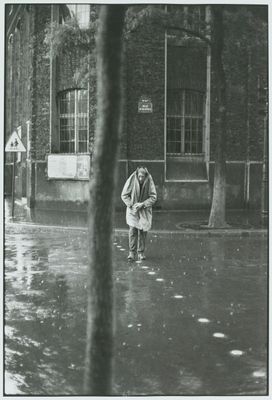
(131, 256)
(141, 256)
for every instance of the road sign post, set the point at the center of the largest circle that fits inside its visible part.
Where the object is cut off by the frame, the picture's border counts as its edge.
(13, 185)
(14, 145)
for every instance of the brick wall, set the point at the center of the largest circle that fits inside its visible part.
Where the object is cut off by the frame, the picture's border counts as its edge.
(145, 76)
(19, 75)
(41, 87)
(25, 72)
(244, 57)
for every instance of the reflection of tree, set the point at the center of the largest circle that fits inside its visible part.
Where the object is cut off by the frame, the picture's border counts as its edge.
(60, 295)
(135, 319)
(137, 299)
(45, 311)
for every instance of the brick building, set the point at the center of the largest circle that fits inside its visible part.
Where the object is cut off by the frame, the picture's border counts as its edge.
(169, 115)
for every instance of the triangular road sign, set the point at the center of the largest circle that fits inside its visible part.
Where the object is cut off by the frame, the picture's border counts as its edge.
(14, 143)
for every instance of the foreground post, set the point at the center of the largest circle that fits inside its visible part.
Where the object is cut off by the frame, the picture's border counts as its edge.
(98, 362)
(13, 185)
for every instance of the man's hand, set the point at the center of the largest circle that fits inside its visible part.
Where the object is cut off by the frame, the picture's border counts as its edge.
(138, 206)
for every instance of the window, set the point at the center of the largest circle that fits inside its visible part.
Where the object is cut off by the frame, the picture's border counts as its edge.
(187, 107)
(82, 13)
(73, 121)
(185, 118)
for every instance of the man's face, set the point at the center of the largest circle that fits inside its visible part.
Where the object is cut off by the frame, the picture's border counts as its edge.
(141, 177)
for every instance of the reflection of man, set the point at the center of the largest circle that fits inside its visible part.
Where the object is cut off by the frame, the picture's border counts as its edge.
(139, 194)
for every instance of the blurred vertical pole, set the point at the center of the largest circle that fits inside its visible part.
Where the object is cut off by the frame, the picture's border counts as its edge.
(99, 341)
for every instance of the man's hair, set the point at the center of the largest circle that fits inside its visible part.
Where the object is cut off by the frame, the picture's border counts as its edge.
(141, 169)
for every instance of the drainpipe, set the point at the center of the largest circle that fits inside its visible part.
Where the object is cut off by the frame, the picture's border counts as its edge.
(265, 171)
(208, 94)
(263, 104)
(247, 106)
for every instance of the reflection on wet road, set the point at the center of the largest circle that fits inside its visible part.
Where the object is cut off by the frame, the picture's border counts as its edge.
(191, 319)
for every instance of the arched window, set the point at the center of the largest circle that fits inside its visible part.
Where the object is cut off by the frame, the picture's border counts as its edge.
(187, 105)
(186, 89)
(73, 121)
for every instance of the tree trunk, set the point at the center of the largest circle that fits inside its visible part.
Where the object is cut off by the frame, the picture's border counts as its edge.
(218, 210)
(99, 346)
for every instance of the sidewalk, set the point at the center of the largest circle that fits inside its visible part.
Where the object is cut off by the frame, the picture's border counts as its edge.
(240, 222)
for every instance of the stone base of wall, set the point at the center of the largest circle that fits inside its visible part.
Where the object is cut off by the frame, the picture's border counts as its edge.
(43, 193)
(20, 179)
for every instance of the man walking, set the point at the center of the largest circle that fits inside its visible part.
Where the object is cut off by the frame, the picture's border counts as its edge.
(139, 194)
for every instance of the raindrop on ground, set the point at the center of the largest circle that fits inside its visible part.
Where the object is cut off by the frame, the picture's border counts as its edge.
(219, 335)
(237, 353)
(259, 374)
(203, 320)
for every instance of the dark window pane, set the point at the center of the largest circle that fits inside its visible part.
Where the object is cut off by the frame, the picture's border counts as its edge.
(71, 147)
(82, 135)
(63, 107)
(199, 147)
(194, 147)
(177, 136)
(187, 124)
(82, 101)
(64, 147)
(178, 149)
(64, 135)
(171, 135)
(187, 147)
(71, 102)
(200, 105)
(82, 122)
(187, 130)
(169, 147)
(188, 110)
(194, 129)
(82, 147)
(174, 102)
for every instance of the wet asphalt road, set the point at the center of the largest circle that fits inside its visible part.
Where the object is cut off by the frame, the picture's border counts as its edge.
(190, 320)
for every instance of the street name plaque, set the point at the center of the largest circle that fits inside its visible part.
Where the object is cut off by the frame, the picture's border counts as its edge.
(145, 105)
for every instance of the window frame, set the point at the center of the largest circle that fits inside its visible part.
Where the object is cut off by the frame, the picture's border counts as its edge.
(75, 118)
(183, 117)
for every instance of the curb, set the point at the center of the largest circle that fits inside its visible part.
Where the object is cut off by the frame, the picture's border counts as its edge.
(184, 232)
